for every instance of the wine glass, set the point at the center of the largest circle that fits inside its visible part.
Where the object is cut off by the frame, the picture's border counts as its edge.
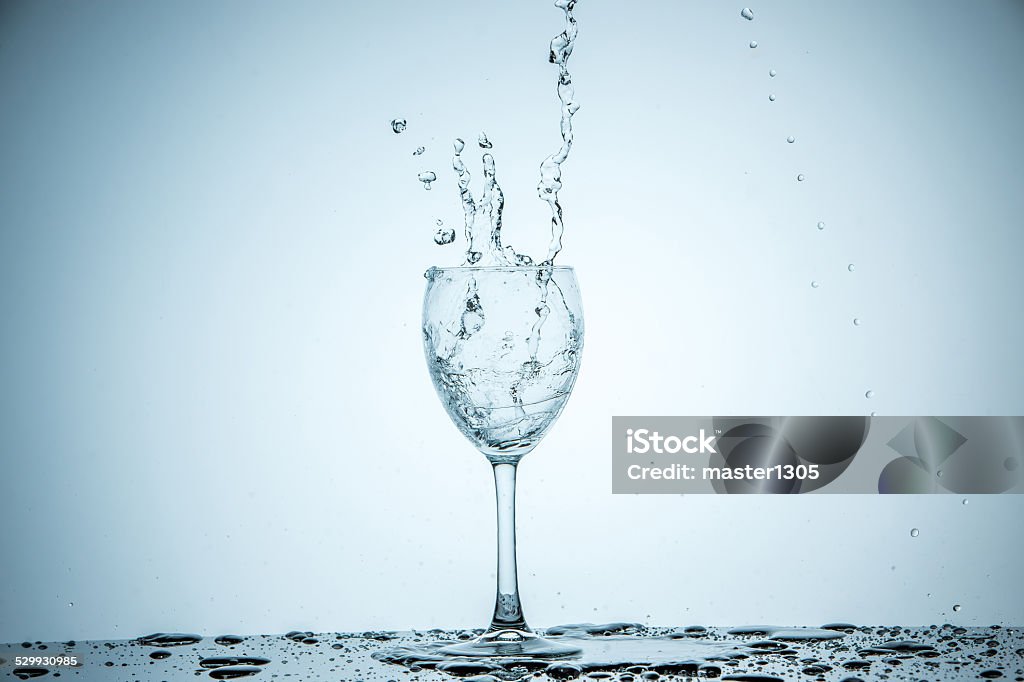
(503, 348)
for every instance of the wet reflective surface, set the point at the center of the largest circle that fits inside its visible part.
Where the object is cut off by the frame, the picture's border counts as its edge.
(620, 652)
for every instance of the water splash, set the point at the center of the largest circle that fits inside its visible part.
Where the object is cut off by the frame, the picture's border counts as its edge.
(551, 168)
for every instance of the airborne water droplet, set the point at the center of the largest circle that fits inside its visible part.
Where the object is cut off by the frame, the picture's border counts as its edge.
(771, 98)
(821, 225)
(856, 322)
(747, 14)
(914, 532)
(398, 125)
(869, 394)
(419, 150)
(753, 44)
(427, 177)
(814, 284)
(965, 501)
(444, 235)
(483, 141)
(851, 267)
(800, 178)
(791, 139)
(957, 607)
(773, 73)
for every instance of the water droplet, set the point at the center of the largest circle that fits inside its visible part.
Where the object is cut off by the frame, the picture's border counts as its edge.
(851, 267)
(914, 532)
(874, 414)
(821, 225)
(419, 150)
(71, 603)
(753, 44)
(957, 607)
(856, 322)
(229, 640)
(869, 394)
(814, 284)
(483, 141)
(965, 501)
(771, 98)
(459, 145)
(773, 73)
(444, 235)
(1011, 464)
(800, 178)
(791, 139)
(427, 177)
(747, 14)
(398, 125)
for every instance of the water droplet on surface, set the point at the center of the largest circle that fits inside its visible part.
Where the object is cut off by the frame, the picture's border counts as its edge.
(851, 267)
(161, 639)
(444, 235)
(419, 150)
(753, 44)
(398, 125)
(869, 394)
(771, 98)
(773, 73)
(957, 607)
(821, 225)
(791, 139)
(229, 640)
(747, 14)
(914, 532)
(800, 178)
(483, 141)
(814, 284)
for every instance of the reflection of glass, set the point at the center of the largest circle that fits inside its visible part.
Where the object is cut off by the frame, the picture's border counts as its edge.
(503, 347)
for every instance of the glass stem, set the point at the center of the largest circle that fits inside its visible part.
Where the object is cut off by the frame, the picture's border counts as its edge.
(508, 611)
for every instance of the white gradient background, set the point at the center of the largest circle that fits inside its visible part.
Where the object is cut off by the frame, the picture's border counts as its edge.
(215, 415)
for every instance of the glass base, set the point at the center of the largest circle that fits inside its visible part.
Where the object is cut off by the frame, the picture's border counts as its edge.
(511, 643)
